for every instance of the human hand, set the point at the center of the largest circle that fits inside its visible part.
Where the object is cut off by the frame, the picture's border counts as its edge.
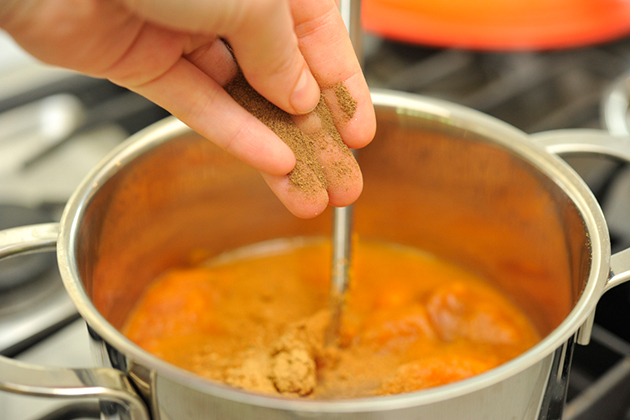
(171, 52)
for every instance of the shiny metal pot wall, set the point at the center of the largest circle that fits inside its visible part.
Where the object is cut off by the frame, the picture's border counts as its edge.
(438, 176)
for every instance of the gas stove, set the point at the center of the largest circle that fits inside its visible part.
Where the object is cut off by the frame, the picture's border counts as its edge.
(534, 91)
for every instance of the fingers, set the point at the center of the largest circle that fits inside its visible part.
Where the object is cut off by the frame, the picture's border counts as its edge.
(359, 130)
(341, 171)
(325, 170)
(303, 204)
(273, 63)
(324, 42)
(344, 181)
(197, 100)
(330, 175)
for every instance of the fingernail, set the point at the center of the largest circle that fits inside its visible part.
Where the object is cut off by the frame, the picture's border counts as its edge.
(305, 94)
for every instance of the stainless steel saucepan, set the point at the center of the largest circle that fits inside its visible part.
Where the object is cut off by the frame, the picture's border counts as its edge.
(438, 176)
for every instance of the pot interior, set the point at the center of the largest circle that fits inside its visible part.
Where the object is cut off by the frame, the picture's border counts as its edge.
(450, 185)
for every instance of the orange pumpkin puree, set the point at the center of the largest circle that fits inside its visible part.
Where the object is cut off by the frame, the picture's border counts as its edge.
(256, 319)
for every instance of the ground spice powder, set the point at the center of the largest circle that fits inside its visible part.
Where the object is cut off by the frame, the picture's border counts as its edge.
(347, 103)
(307, 175)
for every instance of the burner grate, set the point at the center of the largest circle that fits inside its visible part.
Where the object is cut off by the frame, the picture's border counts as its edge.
(536, 92)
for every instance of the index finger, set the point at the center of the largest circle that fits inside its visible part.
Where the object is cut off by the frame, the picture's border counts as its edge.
(325, 44)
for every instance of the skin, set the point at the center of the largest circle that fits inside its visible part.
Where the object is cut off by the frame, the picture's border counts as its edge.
(173, 53)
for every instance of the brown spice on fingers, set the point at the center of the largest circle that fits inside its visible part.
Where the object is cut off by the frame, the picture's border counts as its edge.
(346, 102)
(308, 176)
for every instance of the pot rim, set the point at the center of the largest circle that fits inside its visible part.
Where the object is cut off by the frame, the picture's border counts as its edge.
(404, 104)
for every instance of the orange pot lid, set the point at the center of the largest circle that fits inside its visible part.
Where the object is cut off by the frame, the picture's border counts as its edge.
(498, 24)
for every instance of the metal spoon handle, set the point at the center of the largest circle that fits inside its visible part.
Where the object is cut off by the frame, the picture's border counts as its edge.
(351, 14)
(342, 219)
(341, 251)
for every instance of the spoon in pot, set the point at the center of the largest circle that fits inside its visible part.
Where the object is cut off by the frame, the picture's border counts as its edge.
(340, 270)
(342, 218)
